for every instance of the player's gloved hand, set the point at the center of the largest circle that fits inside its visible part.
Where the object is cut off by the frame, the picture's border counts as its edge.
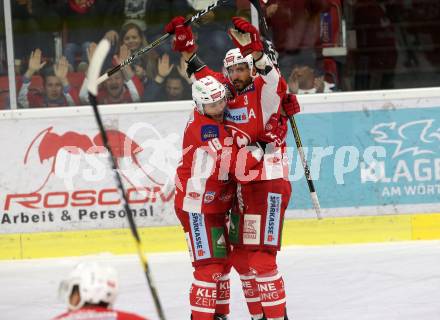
(183, 37)
(275, 130)
(290, 104)
(245, 36)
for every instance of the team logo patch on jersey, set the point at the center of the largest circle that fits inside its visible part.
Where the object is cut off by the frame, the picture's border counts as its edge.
(251, 229)
(272, 230)
(199, 236)
(209, 197)
(238, 115)
(209, 132)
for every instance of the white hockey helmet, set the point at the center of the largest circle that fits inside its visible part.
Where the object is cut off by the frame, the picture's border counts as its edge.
(207, 90)
(96, 284)
(234, 57)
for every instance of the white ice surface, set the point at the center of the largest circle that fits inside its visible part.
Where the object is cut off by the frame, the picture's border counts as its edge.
(364, 282)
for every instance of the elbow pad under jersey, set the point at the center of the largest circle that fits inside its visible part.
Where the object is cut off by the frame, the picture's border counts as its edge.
(194, 65)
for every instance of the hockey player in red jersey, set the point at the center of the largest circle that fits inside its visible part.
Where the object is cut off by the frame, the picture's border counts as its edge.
(256, 224)
(90, 291)
(205, 188)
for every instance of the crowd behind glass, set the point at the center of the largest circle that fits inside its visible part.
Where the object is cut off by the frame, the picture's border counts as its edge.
(323, 45)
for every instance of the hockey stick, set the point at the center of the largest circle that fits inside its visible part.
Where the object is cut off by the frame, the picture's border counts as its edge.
(92, 75)
(264, 30)
(157, 42)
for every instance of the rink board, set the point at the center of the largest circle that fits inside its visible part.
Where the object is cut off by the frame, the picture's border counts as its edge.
(379, 178)
(345, 230)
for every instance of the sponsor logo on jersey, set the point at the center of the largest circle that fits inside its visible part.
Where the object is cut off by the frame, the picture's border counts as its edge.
(272, 230)
(238, 115)
(209, 132)
(251, 229)
(199, 236)
(273, 159)
(234, 228)
(209, 197)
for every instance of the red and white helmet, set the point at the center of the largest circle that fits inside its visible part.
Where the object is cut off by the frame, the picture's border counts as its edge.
(96, 284)
(234, 57)
(207, 90)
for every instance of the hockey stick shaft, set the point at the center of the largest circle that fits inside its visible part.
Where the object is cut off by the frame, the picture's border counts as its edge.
(156, 42)
(95, 67)
(264, 30)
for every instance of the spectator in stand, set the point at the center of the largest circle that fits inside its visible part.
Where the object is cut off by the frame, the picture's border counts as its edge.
(170, 83)
(131, 35)
(300, 29)
(122, 87)
(306, 79)
(89, 292)
(56, 89)
(87, 21)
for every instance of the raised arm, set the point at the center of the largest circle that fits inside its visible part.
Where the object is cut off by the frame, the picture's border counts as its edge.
(184, 42)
